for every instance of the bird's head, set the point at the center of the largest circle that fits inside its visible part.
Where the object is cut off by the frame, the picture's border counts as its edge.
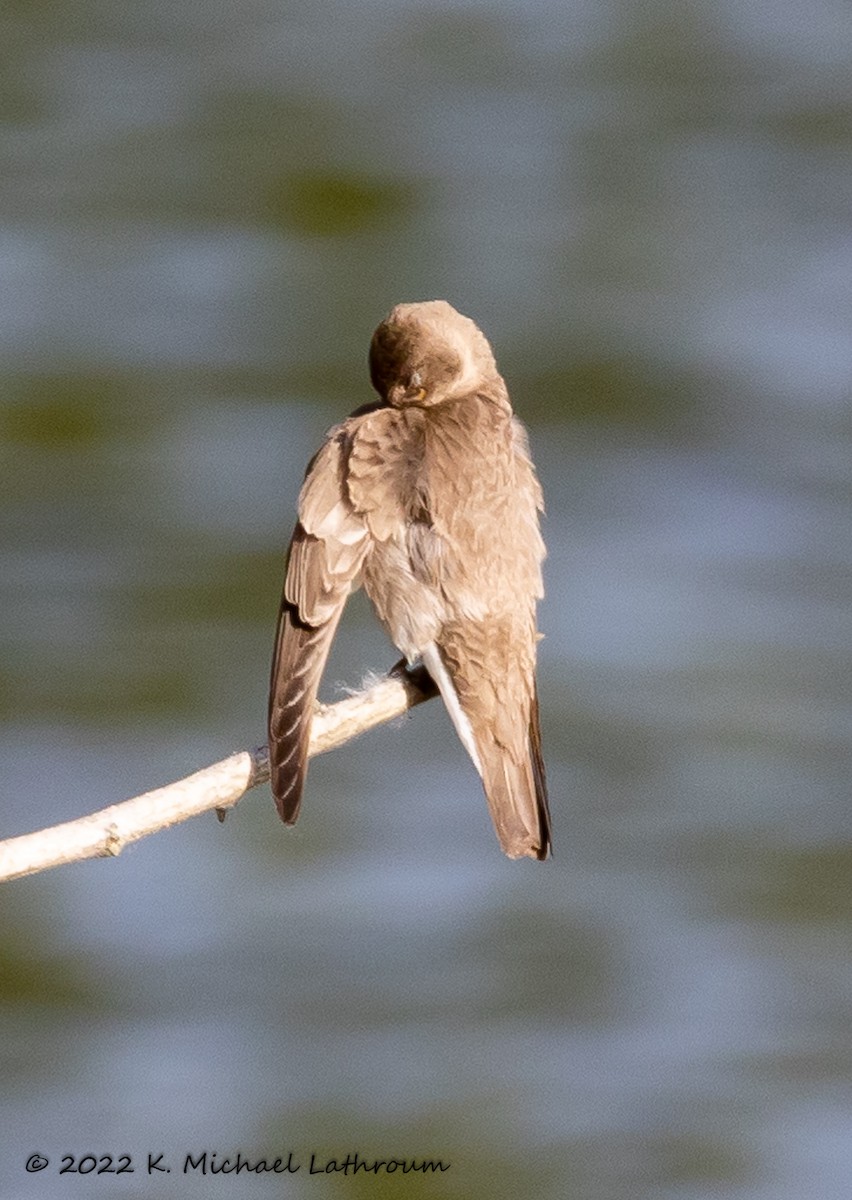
(425, 353)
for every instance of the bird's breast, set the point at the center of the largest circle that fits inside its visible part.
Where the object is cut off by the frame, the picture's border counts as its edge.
(410, 606)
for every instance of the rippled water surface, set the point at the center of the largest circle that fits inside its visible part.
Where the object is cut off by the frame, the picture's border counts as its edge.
(204, 211)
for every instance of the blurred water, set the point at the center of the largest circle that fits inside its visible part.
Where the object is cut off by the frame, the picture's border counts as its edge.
(205, 211)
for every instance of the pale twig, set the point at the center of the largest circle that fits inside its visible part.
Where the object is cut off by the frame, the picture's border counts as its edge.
(104, 834)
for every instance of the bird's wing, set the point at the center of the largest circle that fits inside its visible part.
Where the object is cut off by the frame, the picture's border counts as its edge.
(381, 470)
(483, 659)
(486, 675)
(326, 553)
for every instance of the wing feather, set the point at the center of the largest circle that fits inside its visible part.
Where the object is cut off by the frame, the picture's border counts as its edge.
(493, 686)
(326, 553)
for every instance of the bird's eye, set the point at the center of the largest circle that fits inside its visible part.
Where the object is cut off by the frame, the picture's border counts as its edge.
(415, 387)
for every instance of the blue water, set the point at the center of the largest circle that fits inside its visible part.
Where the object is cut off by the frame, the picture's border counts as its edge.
(204, 211)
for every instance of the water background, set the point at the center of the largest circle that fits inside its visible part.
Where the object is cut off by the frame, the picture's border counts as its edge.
(205, 208)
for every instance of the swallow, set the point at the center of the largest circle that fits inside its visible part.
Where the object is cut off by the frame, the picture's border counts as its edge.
(429, 499)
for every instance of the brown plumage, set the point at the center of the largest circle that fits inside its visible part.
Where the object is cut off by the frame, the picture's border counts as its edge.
(429, 499)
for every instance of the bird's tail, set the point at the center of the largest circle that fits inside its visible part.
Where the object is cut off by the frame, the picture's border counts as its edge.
(516, 791)
(517, 796)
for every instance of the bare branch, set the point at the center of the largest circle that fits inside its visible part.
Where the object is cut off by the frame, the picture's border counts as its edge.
(104, 834)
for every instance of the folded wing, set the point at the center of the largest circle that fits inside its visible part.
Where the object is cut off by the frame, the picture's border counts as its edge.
(326, 553)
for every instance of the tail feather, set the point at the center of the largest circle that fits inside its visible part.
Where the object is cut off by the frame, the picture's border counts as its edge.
(516, 791)
(539, 778)
(518, 809)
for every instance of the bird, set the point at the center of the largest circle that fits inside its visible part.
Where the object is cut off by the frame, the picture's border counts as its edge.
(427, 498)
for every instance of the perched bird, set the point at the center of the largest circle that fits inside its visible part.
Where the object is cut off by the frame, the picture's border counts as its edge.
(429, 498)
